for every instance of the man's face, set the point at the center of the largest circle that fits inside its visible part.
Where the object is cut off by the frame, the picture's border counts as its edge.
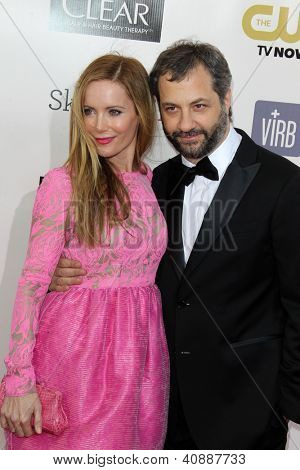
(194, 119)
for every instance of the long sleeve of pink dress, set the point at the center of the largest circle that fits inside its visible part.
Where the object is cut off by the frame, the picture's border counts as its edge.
(46, 242)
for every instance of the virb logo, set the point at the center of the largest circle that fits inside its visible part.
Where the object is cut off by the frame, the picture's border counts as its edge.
(276, 126)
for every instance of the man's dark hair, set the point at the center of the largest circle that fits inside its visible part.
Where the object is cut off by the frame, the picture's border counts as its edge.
(183, 56)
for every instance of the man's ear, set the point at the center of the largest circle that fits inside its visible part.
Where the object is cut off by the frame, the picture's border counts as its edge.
(157, 105)
(227, 100)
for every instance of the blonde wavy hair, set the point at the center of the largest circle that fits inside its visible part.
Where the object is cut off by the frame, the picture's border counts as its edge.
(99, 198)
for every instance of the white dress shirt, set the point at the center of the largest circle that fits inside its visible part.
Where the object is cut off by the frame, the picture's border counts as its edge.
(200, 193)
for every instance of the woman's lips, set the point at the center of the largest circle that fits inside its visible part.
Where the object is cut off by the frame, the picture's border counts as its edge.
(104, 140)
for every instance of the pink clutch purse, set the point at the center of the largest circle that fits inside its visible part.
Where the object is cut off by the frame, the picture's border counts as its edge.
(54, 419)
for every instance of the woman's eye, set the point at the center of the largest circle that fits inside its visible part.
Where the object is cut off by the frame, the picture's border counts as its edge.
(115, 112)
(87, 111)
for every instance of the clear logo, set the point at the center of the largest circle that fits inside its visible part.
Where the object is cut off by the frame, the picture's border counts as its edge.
(131, 19)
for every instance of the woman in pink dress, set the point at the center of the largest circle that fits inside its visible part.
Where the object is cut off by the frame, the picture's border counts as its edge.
(101, 343)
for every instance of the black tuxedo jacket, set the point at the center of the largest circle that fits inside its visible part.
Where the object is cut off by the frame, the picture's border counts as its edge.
(232, 314)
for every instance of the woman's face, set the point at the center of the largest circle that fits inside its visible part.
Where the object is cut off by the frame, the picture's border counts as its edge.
(110, 119)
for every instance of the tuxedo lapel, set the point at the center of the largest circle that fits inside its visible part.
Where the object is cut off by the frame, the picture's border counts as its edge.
(175, 194)
(232, 188)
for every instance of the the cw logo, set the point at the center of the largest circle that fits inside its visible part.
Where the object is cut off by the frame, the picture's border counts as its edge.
(279, 32)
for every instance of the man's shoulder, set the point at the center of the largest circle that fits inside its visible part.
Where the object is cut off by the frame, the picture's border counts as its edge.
(161, 175)
(163, 168)
(275, 163)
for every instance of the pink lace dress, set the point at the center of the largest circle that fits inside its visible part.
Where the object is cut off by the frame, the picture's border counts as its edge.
(101, 343)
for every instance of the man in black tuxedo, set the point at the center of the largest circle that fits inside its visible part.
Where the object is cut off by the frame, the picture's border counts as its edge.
(230, 277)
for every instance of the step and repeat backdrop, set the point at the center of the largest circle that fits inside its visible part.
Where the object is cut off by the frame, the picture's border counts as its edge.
(45, 44)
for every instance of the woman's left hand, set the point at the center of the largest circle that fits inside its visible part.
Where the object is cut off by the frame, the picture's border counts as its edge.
(16, 414)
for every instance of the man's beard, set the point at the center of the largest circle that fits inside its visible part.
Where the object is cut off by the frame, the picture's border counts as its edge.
(210, 142)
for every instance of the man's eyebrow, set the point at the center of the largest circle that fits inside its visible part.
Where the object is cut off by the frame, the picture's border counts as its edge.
(168, 103)
(198, 100)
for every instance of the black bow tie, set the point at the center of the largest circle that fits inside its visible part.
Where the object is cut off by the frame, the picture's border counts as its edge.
(203, 168)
